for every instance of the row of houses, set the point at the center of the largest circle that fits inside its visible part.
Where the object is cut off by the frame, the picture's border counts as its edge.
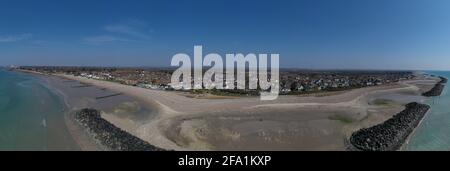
(290, 80)
(304, 82)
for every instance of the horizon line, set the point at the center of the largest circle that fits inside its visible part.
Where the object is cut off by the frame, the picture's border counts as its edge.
(283, 68)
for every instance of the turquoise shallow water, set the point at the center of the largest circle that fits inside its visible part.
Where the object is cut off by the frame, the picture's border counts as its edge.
(31, 115)
(434, 132)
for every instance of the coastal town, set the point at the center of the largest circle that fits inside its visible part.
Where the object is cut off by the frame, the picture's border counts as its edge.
(292, 81)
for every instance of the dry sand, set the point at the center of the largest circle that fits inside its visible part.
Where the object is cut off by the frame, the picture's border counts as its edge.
(174, 120)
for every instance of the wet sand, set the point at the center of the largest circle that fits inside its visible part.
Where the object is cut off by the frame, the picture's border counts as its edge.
(118, 109)
(289, 126)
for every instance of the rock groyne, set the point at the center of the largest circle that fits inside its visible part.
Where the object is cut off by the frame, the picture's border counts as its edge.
(437, 89)
(391, 134)
(110, 136)
(443, 80)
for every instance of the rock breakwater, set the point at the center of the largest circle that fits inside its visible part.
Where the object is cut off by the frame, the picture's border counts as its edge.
(437, 89)
(443, 80)
(110, 136)
(391, 134)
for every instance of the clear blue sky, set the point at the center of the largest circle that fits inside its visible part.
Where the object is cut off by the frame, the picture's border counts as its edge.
(354, 34)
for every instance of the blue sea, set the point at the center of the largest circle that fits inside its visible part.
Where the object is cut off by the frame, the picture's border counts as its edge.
(31, 115)
(434, 131)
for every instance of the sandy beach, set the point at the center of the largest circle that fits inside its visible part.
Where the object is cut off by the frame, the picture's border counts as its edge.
(173, 120)
(119, 109)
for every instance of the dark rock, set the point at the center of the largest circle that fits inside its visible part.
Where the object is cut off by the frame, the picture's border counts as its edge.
(437, 89)
(443, 80)
(109, 135)
(391, 134)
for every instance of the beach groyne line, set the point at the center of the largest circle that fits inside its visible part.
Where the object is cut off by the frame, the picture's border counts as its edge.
(443, 80)
(391, 134)
(107, 96)
(437, 89)
(81, 86)
(110, 136)
(69, 81)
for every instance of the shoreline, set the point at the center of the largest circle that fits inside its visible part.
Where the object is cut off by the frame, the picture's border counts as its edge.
(433, 92)
(443, 81)
(391, 134)
(108, 135)
(437, 89)
(81, 137)
(167, 108)
(406, 143)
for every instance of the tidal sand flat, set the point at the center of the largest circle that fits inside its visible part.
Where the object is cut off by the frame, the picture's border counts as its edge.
(290, 126)
(288, 123)
(261, 129)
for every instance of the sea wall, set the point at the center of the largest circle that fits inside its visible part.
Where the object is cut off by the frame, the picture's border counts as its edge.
(437, 89)
(391, 134)
(110, 136)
